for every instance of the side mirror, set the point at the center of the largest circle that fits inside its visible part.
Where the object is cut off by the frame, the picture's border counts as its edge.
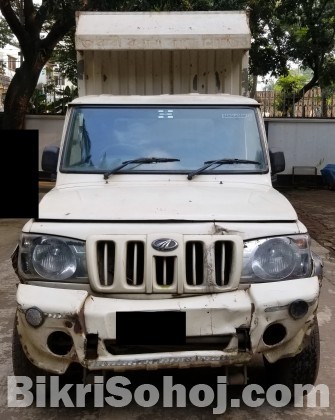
(277, 160)
(50, 159)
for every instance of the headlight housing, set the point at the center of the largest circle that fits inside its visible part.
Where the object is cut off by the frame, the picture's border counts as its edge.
(52, 258)
(277, 258)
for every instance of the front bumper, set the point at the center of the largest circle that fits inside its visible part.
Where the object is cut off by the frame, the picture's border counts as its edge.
(86, 319)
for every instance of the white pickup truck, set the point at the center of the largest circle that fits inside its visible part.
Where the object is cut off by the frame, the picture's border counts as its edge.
(164, 245)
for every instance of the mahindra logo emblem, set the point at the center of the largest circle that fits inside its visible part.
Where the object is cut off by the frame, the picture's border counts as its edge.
(164, 244)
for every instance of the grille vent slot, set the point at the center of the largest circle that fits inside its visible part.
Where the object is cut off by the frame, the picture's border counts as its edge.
(135, 263)
(223, 262)
(106, 262)
(164, 270)
(194, 263)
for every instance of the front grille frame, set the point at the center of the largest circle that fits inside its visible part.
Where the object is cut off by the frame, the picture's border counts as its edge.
(166, 272)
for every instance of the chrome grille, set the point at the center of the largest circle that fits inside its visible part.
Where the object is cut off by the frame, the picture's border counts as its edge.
(129, 264)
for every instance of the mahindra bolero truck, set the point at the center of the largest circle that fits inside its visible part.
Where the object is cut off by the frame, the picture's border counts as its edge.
(164, 244)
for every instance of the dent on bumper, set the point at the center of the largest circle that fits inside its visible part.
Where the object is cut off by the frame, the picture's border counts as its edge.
(78, 314)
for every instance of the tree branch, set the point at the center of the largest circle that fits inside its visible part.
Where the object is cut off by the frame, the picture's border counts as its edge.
(307, 86)
(57, 32)
(30, 20)
(41, 14)
(13, 22)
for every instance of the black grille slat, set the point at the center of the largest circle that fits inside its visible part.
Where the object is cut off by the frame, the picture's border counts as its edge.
(135, 263)
(164, 270)
(194, 263)
(223, 261)
(106, 262)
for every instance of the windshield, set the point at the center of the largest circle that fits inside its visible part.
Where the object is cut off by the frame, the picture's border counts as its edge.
(174, 139)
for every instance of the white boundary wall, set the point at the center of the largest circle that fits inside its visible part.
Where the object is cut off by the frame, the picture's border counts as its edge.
(49, 128)
(305, 142)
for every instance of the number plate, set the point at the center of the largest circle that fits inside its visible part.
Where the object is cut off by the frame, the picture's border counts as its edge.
(138, 328)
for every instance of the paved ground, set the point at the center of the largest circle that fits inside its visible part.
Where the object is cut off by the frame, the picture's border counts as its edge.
(316, 209)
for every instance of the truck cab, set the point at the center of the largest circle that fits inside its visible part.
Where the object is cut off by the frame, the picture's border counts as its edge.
(164, 245)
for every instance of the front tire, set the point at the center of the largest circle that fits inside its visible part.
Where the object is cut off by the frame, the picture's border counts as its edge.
(301, 369)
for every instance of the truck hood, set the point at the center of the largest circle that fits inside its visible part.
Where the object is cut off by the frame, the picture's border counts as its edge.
(167, 201)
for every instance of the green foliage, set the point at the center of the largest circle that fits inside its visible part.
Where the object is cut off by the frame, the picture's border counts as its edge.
(288, 88)
(37, 104)
(327, 79)
(300, 31)
(268, 53)
(51, 100)
(291, 83)
(65, 56)
(61, 98)
(6, 35)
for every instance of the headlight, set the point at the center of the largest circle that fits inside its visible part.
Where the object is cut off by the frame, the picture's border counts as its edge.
(280, 258)
(44, 257)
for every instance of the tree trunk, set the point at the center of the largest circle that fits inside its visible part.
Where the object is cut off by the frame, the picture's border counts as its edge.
(301, 93)
(324, 107)
(18, 95)
(253, 88)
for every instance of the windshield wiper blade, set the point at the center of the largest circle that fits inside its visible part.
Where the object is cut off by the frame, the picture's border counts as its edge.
(219, 162)
(139, 161)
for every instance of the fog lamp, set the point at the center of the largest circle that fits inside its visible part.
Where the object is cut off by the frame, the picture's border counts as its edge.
(34, 317)
(298, 309)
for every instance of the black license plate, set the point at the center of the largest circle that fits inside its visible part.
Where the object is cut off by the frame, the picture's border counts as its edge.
(143, 328)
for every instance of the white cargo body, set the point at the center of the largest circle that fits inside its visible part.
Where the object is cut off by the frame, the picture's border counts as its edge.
(163, 243)
(162, 53)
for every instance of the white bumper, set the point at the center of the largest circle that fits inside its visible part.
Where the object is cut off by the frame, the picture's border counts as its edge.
(82, 316)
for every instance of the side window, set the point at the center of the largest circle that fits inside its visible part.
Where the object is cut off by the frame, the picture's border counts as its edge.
(79, 146)
(75, 151)
(252, 140)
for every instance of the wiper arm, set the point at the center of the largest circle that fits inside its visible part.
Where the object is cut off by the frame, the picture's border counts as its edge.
(219, 162)
(139, 161)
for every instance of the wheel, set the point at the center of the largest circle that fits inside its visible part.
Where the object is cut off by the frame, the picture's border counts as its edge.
(301, 369)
